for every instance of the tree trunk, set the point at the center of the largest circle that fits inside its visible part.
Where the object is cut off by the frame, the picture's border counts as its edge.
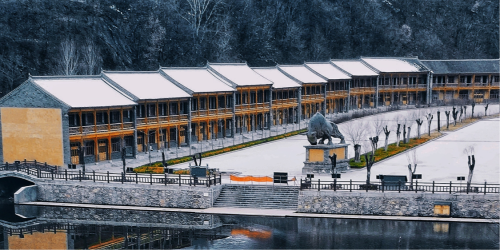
(418, 130)
(386, 143)
(357, 150)
(398, 136)
(404, 133)
(439, 121)
(469, 179)
(409, 130)
(410, 176)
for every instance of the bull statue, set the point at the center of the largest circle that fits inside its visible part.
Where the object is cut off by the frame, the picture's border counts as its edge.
(322, 129)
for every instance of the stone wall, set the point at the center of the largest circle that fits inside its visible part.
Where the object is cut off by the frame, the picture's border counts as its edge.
(398, 204)
(127, 194)
(26, 194)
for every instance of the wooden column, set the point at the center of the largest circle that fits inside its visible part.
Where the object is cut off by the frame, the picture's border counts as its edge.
(96, 150)
(109, 147)
(178, 136)
(158, 143)
(81, 122)
(168, 137)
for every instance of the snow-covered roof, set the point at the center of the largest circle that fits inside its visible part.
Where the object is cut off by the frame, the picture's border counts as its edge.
(354, 67)
(301, 73)
(463, 66)
(279, 79)
(327, 70)
(83, 92)
(239, 74)
(146, 85)
(397, 65)
(198, 80)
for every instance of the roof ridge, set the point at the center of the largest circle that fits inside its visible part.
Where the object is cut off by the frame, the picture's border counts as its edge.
(118, 87)
(315, 72)
(175, 82)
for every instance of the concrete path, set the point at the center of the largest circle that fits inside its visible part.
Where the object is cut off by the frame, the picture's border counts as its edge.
(265, 212)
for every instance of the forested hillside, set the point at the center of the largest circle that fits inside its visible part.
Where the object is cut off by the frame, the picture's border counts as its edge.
(48, 37)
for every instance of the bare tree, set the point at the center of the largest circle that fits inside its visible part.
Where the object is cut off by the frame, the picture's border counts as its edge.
(439, 121)
(11, 67)
(469, 151)
(473, 105)
(356, 132)
(447, 113)
(68, 58)
(486, 109)
(386, 132)
(91, 58)
(370, 159)
(454, 114)
(465, 112)
(419, 124)
(198, 13)
(412, 165)
(429, 121)
(374, 144)
(461, 113)
(398, 130)
(377, 125)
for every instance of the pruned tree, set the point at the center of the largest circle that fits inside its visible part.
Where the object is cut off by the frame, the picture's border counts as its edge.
(473, 105)
(356, 132)
(419, 124)
(370, 159)
(454, 113)
(465, 113)
(469, 151)
(374, 144)
(412, 165)
(447, 113)
(68, 58)
(404, 133)
(461, 113)
(386, 132)
(486, 109)
(429, 122)
(398, 135)
(439, 120)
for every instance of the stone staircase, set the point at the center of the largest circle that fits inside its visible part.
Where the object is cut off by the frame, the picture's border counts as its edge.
(258, 196)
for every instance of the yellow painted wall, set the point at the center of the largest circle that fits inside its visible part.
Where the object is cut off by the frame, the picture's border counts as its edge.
(39, 240)
(316, 155)
(340, 153)
(32, 134)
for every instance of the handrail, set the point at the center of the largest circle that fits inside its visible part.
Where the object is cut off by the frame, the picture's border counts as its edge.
(433, 187)
(44, 171)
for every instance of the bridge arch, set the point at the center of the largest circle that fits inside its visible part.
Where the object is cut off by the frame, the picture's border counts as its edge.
(11, 182)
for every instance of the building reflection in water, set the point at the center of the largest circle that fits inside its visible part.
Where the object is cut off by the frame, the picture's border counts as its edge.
(85, 228)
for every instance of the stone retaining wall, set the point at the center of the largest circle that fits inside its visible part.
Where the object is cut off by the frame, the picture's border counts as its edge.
(398, 204)
(127, 194)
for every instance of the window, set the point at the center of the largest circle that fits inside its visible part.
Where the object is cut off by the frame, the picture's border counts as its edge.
(74, 120)
(173, 109)
(184, 107)
(101, 118)
(142, 111)
(252, 97)
(212, 102)
(115, 117)
(266, 95)
(245, 98)
(162, 109)
(495, 79)
(203, 103)
(152, 137)
(485, 79)
(451, 79)
(127, 115)
(88, 119)
(229, 101)
(477, 79)
(238, 98)
(151, 110)
(260, 97)
(89, 148)
(274, 95)
(115, 145)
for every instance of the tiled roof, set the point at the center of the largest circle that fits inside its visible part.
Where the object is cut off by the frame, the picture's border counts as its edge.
(146, 85)
(354, 67)
(83, 91)
(198, 80)
(463, 66)
(279, 79)
(301, 73)
(238, 74)
(396, 65)
(328, 71)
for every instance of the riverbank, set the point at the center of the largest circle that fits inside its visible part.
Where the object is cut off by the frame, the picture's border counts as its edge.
(265, 212)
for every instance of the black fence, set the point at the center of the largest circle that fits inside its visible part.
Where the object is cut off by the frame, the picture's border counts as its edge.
(44, 171)
(429, 187)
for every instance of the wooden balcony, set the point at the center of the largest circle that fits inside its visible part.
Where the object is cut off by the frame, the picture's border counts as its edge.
(100, 128)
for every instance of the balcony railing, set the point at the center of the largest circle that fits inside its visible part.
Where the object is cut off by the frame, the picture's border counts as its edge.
(141, 121)
(101, 128)
(115, 126)
(184, 117)
(152, 120)
(163, 119)
(128, 125)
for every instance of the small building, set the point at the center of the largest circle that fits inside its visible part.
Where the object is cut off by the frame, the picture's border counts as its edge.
(313, 92)
(253, 106)
(212, 101)
(285, 95)
(363, 88)
(402, 80)
(53, 118)
(464, 80)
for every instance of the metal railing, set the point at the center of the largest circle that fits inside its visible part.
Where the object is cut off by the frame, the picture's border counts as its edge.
(428, 187)
(44, 171)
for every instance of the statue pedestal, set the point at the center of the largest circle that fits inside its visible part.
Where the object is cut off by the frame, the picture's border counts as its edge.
(317, 160)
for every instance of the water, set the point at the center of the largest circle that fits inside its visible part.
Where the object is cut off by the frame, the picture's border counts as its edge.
(62, 227)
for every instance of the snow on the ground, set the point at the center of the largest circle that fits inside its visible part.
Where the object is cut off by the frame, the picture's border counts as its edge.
(441, 160)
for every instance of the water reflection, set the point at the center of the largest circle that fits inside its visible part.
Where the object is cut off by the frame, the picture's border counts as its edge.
(84, 228)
